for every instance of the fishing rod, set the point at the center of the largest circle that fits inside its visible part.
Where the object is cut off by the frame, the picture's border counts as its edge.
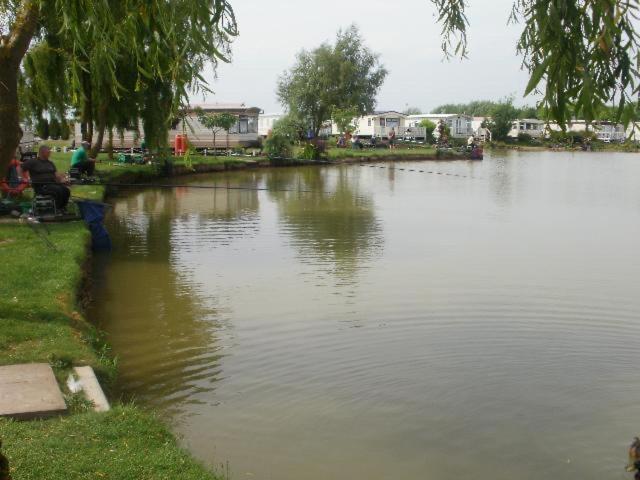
(177, 185)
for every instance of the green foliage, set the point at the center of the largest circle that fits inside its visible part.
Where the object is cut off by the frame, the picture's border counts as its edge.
(343, 76)
(502, 116)
(279, 143)
(54, 128)
(216, 122)
(118, 63)
(430, 127)
(222, 121)
(344, 119)
(525, 138)
(125, 443)
(483, 108)
(314, 149)
(65, 129)
(42, 128)
(580, 55)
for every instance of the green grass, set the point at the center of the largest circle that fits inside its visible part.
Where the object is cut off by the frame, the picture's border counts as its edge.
(417, 151)
(41, 321)
(123, 444)
(111, 170)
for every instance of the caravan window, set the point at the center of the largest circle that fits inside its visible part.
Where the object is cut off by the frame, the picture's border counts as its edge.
(368, 122)
(382, 123)
(393, 123)
(243, 124)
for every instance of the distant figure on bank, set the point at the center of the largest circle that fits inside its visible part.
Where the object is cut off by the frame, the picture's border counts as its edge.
(471, 142)
(392, 138)
(80, 160)
(45, 178)
(373, 140)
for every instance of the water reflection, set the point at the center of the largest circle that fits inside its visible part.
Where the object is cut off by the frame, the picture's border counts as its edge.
(332, 222)
(165, 330)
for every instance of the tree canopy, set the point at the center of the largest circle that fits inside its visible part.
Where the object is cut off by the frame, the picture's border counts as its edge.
(345, 75)
(113, 62)
(502, 115)
(581, 54)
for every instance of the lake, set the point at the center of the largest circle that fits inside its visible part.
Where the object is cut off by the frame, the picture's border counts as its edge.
(374, 322)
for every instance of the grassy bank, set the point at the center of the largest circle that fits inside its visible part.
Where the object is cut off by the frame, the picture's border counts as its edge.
(41, 320)
(124, 443)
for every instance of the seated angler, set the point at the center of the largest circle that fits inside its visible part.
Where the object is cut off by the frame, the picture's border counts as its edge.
(45, 179)
(80, 160)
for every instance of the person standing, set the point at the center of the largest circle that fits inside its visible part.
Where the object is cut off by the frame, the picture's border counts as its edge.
(80, 160)
(45, 178)
(392, 139)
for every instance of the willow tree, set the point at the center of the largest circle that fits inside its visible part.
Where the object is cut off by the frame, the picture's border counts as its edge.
(580, 54)
(345, 75)
(143, 54)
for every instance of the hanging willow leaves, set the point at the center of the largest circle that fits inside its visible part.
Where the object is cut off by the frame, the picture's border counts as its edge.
(114, 61)
(581, 54)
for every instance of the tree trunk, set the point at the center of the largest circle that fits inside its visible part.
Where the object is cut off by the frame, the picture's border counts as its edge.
(10, 132)
(13, 47)
(102, 126)
(97, 146)
(110, 146)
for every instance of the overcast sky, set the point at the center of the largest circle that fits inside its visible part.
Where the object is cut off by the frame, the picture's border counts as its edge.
(405, 35)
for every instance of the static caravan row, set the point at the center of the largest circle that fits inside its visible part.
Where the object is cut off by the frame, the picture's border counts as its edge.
(604, 131)
(243, 134)
(460, 125)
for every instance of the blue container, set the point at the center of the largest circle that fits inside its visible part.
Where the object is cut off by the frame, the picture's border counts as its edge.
(93, 214)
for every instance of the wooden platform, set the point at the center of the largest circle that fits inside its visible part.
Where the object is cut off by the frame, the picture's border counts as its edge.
(30, 391)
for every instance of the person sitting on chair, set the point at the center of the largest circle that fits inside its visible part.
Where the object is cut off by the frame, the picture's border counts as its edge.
(45, 178)
(81, 160)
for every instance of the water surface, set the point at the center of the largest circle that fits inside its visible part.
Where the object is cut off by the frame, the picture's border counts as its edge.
(387, 323)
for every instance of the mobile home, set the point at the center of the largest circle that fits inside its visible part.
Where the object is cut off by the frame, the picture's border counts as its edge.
(604, 131)
(243, 134)
(529, 126)
(378, 123)
(460, 125)
(266, 122)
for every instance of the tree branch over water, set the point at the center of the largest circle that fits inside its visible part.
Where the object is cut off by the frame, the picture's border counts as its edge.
(581, 54)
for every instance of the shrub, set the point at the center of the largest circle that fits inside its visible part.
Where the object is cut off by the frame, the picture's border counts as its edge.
(314, 149)
(524, 138)
(278, 144)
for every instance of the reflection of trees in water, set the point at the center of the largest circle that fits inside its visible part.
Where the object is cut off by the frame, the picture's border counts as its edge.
(331, 223)
(163, 333)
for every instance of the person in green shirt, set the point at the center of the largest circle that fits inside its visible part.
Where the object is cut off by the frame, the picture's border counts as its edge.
(80, 160)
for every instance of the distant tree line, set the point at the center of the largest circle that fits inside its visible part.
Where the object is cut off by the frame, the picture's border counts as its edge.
(487, 108)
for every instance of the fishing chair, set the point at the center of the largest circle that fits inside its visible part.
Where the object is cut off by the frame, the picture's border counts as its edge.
(43, 206)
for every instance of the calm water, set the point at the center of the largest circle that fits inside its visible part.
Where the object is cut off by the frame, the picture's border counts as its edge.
(388, 324)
